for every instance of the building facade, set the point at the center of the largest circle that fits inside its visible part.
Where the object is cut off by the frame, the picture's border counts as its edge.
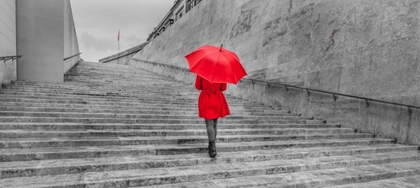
(7, 40)
(178, 10)
(40, 36)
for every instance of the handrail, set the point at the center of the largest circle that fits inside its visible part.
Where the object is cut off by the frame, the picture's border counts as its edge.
(333, 93)
(297, 87)
(5, 58)
(72, 56)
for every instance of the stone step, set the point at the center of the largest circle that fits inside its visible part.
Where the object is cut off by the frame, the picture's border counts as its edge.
(138, 111)
(153, 84)
(318, 178)
(166, 132)
(103, 87)
(117, 103)
(157, 176)
(154, 140)
(106, 71)
(99, 94)
(134, 80)
(138, 120)
(410, 181)
(99, 80)
(143, 116)
(94, 106)
(115, 70)
(135, 101)
(110, 67)
(48, 153)
(83, 165)
(155, 126)
(141, 97)
(145, 98)
(126, 68)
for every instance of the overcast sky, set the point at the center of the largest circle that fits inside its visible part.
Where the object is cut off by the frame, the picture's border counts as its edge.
(97, 23)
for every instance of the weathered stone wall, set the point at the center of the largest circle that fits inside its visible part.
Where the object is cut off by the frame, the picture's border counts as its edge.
(7, 40)
(123, 60)
(357, 47)
(123, 57)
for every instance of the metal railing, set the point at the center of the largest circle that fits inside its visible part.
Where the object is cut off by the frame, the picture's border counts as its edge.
(287, 86)
(6, 58)
(72, 56)
(335, 94)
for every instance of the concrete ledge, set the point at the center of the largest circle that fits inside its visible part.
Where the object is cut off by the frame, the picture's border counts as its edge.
(123, 57)
(178, 73)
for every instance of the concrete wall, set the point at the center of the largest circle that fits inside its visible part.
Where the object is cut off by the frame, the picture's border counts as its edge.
(71, 45)
(7, 40)
(123, 57)
(40, 34)
(122, 60)
(357, 47)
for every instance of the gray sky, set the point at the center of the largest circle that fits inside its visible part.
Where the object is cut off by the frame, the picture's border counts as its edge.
(97, 23)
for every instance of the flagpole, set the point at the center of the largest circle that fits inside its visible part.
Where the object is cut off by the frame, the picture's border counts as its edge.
(118, 46)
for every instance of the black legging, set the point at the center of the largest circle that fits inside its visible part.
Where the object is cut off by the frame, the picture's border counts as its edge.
(211, 126)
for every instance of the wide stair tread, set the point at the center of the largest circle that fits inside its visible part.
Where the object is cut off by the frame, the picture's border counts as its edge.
(43, 153)
(141, 140)
(404, 182)
(160, 161)
(138, 177)
(315, 178)
(24, 133)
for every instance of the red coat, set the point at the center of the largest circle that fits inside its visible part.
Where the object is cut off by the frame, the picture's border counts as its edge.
(212, 103)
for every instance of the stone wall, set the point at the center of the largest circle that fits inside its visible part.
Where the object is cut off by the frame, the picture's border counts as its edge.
(7, 40)
(357, 47)
(123, 57)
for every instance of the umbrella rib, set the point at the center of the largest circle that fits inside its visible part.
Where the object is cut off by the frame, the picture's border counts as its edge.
(214, 68)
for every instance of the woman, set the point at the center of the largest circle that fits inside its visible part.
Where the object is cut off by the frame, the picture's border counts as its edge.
(212, 105)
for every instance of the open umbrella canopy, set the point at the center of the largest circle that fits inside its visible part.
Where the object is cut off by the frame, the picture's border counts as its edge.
(216, 64)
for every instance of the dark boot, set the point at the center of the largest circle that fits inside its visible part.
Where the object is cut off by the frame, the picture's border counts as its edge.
(212, 149)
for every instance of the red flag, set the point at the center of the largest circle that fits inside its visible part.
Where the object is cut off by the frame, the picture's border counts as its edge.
(118, 38)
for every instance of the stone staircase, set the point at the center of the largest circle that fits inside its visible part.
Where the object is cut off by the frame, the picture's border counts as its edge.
(113, 126)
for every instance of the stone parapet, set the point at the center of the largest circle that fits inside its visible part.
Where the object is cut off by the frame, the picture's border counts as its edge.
(123, 57)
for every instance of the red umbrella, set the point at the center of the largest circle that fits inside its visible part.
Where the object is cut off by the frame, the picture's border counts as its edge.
(216, 64)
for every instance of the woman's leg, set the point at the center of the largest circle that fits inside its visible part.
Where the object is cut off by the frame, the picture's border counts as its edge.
(215, 128)
(211, 133)
(210, 130)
